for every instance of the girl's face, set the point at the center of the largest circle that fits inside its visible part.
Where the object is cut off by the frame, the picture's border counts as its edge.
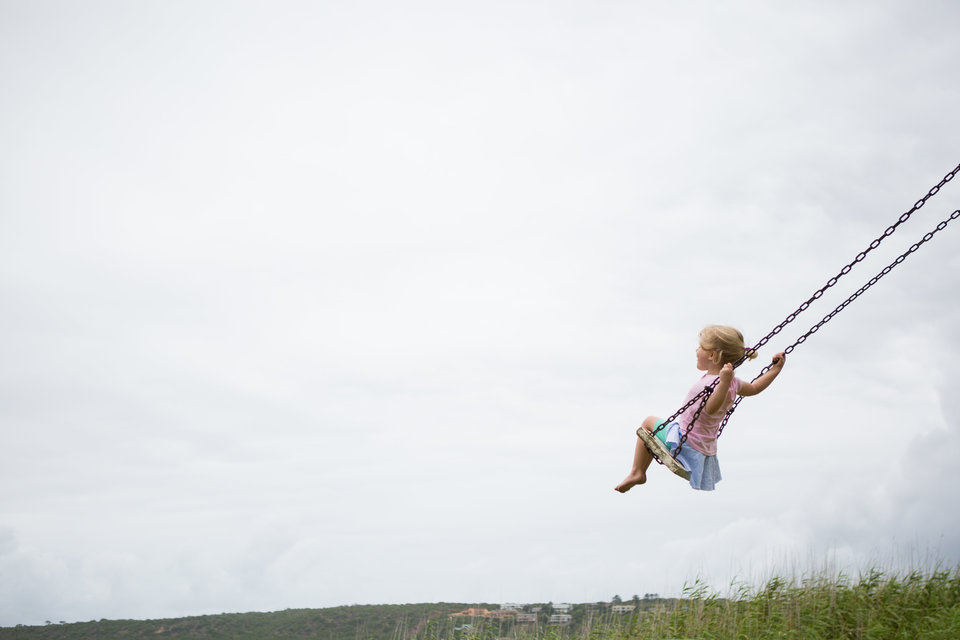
(705, 358)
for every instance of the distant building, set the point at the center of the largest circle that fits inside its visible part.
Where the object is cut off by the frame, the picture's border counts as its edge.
(471, 613)
(501, 614)
(512, 605)
(536, 609)
(563, 607)
(622, 608)
(526, 618)
(561, 619)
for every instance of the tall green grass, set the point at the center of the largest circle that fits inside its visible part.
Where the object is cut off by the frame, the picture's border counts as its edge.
(874, 606)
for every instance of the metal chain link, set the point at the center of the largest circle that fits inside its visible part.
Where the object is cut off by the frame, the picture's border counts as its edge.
(847, 268)
(703, 395)
(843, 305)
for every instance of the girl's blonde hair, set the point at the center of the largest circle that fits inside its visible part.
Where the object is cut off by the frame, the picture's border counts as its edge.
(727, 342)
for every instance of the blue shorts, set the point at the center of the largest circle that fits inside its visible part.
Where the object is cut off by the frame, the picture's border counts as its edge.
(704, 470)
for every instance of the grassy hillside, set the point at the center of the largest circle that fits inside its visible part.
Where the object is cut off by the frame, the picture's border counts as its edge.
(875, 606)
(358, 622)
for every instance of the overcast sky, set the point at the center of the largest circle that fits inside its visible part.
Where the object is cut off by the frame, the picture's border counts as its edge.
(305, 304)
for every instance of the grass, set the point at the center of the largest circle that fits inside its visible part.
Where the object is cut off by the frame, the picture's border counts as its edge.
(875, 605)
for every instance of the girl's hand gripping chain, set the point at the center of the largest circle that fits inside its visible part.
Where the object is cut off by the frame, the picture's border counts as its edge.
(726, 374)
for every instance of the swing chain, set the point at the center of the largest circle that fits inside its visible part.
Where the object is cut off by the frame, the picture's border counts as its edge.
(668, 421)
(843, 305)
(847, 268)
(705, 395)
(706, 391)
(887, 269)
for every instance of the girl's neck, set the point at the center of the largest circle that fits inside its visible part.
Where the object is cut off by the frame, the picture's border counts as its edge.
(714, 370)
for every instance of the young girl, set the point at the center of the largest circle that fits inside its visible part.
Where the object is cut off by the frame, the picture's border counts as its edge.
(719, 348)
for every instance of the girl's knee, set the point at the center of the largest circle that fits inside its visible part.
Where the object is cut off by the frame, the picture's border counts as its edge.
(650, 423)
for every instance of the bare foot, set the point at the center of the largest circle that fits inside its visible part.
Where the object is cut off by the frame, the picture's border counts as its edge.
(631, 481)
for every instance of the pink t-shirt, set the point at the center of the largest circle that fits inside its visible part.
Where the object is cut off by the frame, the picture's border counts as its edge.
(703, 436)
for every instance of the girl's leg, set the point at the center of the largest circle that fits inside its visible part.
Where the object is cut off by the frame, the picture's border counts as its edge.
(641, 460)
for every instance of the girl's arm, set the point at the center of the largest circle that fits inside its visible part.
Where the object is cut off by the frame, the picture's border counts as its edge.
(715, 401)
(761, 383)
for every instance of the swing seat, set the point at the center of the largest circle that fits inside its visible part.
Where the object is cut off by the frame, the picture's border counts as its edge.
(661, 453)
